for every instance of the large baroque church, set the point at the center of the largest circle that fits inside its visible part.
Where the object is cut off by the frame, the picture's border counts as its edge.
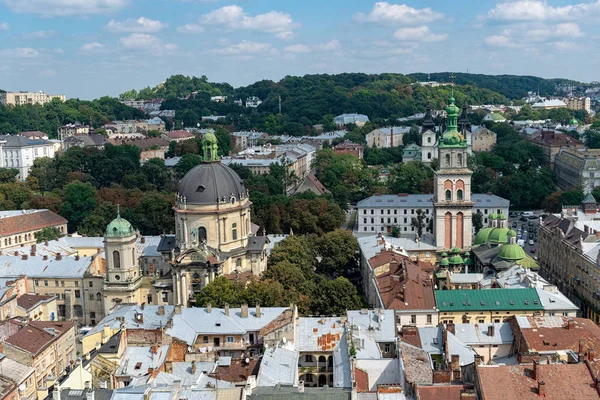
(214, 236)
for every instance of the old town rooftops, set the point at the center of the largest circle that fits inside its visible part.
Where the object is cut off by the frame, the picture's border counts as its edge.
(487, 300)
(129, 316)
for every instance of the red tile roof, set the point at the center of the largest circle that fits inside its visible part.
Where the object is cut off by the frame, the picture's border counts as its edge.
(36, 336)
(446, 392)
(27, 301)
(317, 183)
(179, 134)
(518, 382)
(362, 380)
(29, 222)
(405, 286)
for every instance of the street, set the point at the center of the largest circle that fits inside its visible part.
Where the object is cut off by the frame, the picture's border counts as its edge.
(527, 230)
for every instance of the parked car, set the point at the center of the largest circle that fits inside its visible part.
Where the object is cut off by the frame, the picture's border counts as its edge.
(530, 236)
(532, 250)
(514, 224)
(512, 214)
(530, 242)
(530, 223)
(523, 218)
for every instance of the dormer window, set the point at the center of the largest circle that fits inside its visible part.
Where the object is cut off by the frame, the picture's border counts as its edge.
(200, 189)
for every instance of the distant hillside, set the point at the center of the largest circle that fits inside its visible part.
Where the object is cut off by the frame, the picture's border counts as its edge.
(511, 86)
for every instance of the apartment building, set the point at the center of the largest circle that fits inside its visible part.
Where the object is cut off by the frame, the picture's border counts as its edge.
(18, 227)
(47, 347)
(482, 139)
(386, 137)
(19, 152)
(578, 168)
(578, 103)
(28, 98)
(69, 130)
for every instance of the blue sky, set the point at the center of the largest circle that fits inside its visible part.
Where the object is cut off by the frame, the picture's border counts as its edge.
(90, 48)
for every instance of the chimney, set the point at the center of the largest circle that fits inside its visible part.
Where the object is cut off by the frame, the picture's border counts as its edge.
(455, 365)
(301, 386)
(244, 310)
(142, 306)
(45, 257)
(155, 349)
(193, 367)
(591, 354)
(491, 329)
(77, 257)
(178, 309)
(56, 394)
(33, 249)
(161, 310)
(139, 318)
(570, 324)
(142, 240)
(541, 389)
(227, 309)
(58, 256)
(24, 257)
(580, 353)
(90, 395)
(468, 394)
(451, 328)
(150, 371)
(258, 314)
(208, 308)
(536, 373)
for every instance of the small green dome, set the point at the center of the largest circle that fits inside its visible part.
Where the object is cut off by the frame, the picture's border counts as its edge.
(444, 262)
(511, 252)
(482, 236)
(468, 261)
(456, 260)
(210, 137)
(451, 138)
(119, 227)
(456, 250)
(467, 254)
(573, 121)
(493, 216)
(444, 254)
(501, 216)
(451, 108)
(499, 235)
(511, 233)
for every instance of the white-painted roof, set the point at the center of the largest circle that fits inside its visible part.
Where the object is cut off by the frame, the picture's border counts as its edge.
(278, 366)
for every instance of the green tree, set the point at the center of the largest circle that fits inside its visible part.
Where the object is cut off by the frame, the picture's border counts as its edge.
(96, 222)
(335, 297)
(47, 234)
(411, 178)
(418, 222)
(223, 141)
(338, 251)
(154, 215)
(477, 221)
(218, 293)
(8, 175)
(79, 200)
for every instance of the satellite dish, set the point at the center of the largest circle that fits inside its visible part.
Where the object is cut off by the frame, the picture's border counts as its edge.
(247, 361)
(284, 340)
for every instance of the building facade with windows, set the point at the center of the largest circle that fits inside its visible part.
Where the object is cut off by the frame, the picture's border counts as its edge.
(578, 168)
(19, 152)
(25, 98)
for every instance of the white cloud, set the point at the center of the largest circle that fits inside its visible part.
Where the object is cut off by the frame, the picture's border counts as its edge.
(234, 18)
(245, 47)
(538, 10)
(53, 8)
(302, 48)
(4, 26)
(384, 12)
(20, 52)
(92, 46)
(140, 25)
(565, 45)
(190, 28)
(501, 41)
(144, 41)
(39, 34)
(564, 30)
(419, 34)
(46, 73)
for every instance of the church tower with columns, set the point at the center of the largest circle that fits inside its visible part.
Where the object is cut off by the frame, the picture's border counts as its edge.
(453, 208)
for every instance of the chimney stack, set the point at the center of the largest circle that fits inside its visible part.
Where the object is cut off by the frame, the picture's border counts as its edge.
(58, 256)
(591, 354)
(258, 314)
(24, 257)
(227, 309)
(193, 367)
(490, 330)
(580, 353)
(208, 308)
(178, 309)
(244, 310)
(45, 257)
(161, 310)
(142, 240)
(150, 371)
(142, 306)
(541, 389)
(77, 257)
(570, 324)
(536, 369)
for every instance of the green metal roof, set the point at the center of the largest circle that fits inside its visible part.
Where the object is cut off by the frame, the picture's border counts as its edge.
(589, 199)
(499, 235)
(119, 227)
(488, 300)
(482, 236)
(444, 262)
(456, 260)
(511, 252)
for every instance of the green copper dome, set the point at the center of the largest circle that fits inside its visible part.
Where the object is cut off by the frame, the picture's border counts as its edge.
(452, 137)
(444, 262)
(511, 233)
(444, 254)
(501, 216)
(493, 216)
(456, 260)
(499, 235)
(511, 252)
(119, 227)
(482, 236)
(573, 121)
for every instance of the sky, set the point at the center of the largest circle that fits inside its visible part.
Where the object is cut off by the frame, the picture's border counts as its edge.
(93, 48)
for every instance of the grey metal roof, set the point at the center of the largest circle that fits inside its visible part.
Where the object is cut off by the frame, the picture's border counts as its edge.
(342, 370)
(17, 141)
(310, 329)
(167, 243)
(14, 370)
(369, 244)
(291, 392)
(74, 394)
(466, 355)
(431, 339)
(37, 267)
(207, 183)
(197, 321)
(477, 334)
(278, 366)
(426, 201)
(151, 319)
(137, 359)
(369, 324)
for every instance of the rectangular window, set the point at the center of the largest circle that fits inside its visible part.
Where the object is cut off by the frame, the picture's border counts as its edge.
(364, 211)
(92, 314)
(389, 221)
(77, 294)
(372, 220)
(229, 339)
(364, 220)
(405, 229)
(365, 229)
(413, 319)
(388, 347)
(55, 283)
(62, 283)
(405, 211)
(427, 211)
(429, 319)
(382, 212)
(37, 283)
(382, 220)
(395, 211)
(412, 211)
(91, 284)
(405, 220)
(389, 211)
(395, 220)
(76, 283)
(308, 358)
(45, 283)
(372, 212)
(205, 339)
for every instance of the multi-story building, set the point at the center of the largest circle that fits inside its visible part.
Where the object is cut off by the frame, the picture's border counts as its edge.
(19, 152)
(34, 307)
(386, 137)
(22, 375)
(379, 213)
(253, 102)
(177, 136)
(578, 168)
(578, 103)
(25, 98)
(18, 227)
(486, 306)
(48, 347)
(353, 118)
(553, 142)
(482, 139)
(75, 129)
(347, 147)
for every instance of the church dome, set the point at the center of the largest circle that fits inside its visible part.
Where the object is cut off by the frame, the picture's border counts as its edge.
(211, 183)
(499, 235)
(119, 227)
(456, 259)
(482, 236)
(511, 252)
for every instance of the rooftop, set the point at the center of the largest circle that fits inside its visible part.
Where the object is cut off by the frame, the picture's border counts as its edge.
(488, 300)
(318, 334)
(417, 364)
(151, 319)
(426, 201)
(484, 334)
(291, 392)
(438, 392)
(278, 366)
(379, 325)
(37, 335)
(12, 222)
(29, 301)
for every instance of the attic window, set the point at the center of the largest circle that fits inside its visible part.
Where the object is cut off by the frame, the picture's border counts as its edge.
(512, 302)
(138, 365)
(536, 302)
(218, 324)
(452, 303)
(526, 302)
(482, 303)
(200, 189)
(444, 303)
(435, 340)
(497, 303)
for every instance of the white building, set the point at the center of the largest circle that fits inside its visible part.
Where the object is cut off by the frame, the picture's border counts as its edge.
(24, 98)
(386, 137)
(345, 119)
(19, 152)
(253, 102)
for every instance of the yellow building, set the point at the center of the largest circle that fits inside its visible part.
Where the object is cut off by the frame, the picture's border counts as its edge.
(24, 98)
(486, 306)
(34, 307)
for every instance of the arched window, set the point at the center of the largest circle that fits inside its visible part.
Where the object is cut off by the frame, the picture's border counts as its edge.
(116, 259)
(447, 160)
(429, 156)
(460, 160)
(448, 195)
(429, 139)
(202, 234)
(234, 231)
(99, 296)
(459, 195)
(238, 263)
(133, 255)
